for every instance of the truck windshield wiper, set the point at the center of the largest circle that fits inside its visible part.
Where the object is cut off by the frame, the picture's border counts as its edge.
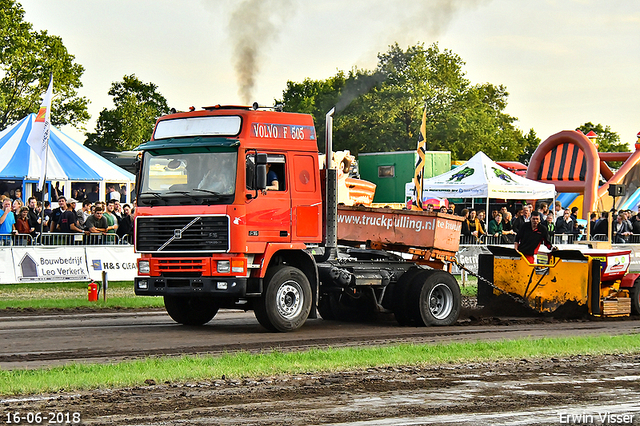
(208, 192)
(188, 194)
(155, 194)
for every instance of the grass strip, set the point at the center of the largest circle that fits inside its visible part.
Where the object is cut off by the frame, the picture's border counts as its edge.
(246, 365)
(70, 295)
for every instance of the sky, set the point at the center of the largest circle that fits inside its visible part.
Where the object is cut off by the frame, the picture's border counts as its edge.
(563, 62)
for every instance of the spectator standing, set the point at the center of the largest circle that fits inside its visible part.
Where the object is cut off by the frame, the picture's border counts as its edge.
(636, 224)
(113, 194)
(474, 225)
(621, 229)
(117, 211)
(125, 226)
(558, 209)
(507, 228)
(519, 222)
(17, 194)
(564, 224)
(34, 218)
(464, 229)
(593, 219)
(483, 224)
(84, 213)
(56, 213)
(69, 219)
(495, 226)
(551, 225)
(17, 205)
(94, 195)
(96, 223)
(112, 221)
(23, 225)
(7, 222)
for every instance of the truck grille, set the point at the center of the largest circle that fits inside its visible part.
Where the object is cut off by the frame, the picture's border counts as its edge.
(177, 234)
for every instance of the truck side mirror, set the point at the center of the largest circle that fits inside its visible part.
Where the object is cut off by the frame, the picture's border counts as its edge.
(261, 171)
(261, 159)
(261, 176)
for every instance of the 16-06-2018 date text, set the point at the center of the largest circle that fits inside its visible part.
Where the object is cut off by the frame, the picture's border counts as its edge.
(39, 418)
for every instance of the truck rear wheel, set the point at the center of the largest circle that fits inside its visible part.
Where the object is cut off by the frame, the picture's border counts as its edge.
(399, 297)
(635, 298)
(190, 310)
(286, 302)
(434, 298)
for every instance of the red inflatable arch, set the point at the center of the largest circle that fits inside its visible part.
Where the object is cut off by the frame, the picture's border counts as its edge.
(570, 161)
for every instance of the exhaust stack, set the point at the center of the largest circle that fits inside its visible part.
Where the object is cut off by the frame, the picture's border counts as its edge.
(331, 202)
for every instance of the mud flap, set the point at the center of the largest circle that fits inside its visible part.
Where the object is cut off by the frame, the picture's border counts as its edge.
(594, 288)
(485, 270)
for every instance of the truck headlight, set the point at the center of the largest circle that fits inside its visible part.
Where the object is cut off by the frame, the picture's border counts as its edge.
(224, 266)
(143, 267)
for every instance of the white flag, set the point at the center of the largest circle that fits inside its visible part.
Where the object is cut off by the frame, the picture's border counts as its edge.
(39, 136)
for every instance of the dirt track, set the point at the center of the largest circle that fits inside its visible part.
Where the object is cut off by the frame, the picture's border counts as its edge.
(531, 391)
(525, 392)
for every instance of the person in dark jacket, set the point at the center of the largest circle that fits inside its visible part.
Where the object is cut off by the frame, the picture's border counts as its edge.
(564, 224)
(531, 236)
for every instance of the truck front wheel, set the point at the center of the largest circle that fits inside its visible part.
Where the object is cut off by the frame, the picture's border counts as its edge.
(286, 302)
(190, 310)
(434, 298)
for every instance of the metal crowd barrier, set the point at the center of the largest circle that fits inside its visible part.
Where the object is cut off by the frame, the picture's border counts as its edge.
(65, 239)
(557, 239)
(16, 240)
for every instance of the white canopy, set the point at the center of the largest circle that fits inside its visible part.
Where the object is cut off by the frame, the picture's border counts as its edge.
(480, 177)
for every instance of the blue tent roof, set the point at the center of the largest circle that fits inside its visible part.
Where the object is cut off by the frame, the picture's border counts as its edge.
(67, 159)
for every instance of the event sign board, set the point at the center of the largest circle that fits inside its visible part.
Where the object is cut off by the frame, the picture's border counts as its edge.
(38, 264)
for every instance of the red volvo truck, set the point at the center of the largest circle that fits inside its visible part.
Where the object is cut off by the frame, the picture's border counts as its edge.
(213, 232)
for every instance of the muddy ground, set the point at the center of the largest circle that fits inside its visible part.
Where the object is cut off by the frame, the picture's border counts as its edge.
(525, 391)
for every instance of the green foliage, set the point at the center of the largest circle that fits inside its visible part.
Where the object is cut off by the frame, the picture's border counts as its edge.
(130, 123)
(608, 141)
(381, 110)
(531, 142)
(27, 59)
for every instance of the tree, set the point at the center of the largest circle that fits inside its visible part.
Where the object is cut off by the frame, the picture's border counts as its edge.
(531, 142)
(385, 113)
(137, 106)
(607, 140)
(27, 59)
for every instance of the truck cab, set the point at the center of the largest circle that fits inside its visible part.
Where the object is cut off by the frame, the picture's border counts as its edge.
(210, 231)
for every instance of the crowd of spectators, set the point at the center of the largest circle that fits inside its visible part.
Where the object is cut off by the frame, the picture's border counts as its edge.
(68, 217)
(503, 225)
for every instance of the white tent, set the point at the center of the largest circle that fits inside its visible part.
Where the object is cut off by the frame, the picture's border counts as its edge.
(480, 177)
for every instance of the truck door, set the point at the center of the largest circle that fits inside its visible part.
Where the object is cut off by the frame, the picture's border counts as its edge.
(269, 215)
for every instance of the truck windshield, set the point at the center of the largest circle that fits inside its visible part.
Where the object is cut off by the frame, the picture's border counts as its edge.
(204, 177)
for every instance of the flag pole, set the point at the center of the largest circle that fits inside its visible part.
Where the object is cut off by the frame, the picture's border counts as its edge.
(40, 142)
(418, 178)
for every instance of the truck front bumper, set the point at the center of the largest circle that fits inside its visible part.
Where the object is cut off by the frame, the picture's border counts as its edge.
(215, 286)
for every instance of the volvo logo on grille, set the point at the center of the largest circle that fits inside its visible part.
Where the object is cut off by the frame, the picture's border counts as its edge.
(177, 233)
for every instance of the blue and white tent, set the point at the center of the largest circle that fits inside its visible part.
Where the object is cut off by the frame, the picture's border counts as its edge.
(67, 160)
